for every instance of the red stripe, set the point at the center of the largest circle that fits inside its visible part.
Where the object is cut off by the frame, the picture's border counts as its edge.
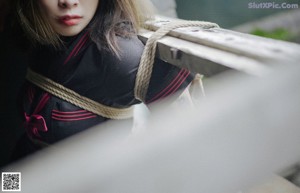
(178, 85)
(75, 48)
(30, 94)
(81, 45)
(69, 112)
(70, 119)
(165, 89)
(72, 116)
(42, 103)
(173, 86)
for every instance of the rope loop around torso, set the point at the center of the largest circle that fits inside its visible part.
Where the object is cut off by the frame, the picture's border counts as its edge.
(74, 98)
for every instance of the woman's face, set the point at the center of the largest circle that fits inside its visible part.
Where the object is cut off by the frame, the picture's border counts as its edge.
(69, 17)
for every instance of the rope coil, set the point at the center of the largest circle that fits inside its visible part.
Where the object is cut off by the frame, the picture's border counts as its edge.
(141, 82)
(148, 56)
(76, 99)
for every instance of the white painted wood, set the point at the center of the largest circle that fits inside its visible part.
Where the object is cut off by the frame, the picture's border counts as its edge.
(207, 51)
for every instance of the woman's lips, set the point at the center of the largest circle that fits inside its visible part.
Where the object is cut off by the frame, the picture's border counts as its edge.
(70, 20)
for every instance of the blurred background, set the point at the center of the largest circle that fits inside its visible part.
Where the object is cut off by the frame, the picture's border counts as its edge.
(255, 17)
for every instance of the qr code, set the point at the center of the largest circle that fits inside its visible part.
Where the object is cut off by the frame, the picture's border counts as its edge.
(11, 181)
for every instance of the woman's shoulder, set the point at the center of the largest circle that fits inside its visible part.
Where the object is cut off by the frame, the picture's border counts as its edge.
(131, 48)
(130, 52)
(120, 71)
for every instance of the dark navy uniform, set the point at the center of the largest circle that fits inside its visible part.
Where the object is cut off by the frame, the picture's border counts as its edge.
(98, 75)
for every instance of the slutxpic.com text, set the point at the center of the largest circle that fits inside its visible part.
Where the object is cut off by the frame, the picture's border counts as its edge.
(272, 5)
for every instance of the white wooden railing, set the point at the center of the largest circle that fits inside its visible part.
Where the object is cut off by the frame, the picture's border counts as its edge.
(214, 50)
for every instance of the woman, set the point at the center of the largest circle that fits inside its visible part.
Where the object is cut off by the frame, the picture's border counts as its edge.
(89, 47)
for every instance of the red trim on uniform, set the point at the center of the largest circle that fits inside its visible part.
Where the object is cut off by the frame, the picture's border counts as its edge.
(69, 112)
(165, 89)
(81, 45)
(72, 115)
(176, 87)
(30, 93)
(35, 122)
(73, 119)
(42, 103)
(77, 47)
(173, 86)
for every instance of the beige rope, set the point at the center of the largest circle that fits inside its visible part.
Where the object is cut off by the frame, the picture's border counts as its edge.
(76, 99)
(147, 59)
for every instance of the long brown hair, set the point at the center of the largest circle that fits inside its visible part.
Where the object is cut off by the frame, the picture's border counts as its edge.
(37, 28)
(108, 23)
(115, 18)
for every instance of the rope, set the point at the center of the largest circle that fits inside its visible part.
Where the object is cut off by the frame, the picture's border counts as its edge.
(147, 59)
(76, 99)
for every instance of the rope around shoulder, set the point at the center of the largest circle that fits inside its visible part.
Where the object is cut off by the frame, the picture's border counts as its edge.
(148, 56)
(142, 80)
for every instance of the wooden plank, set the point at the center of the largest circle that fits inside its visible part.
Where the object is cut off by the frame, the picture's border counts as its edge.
(210, 51)
(205, 60)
